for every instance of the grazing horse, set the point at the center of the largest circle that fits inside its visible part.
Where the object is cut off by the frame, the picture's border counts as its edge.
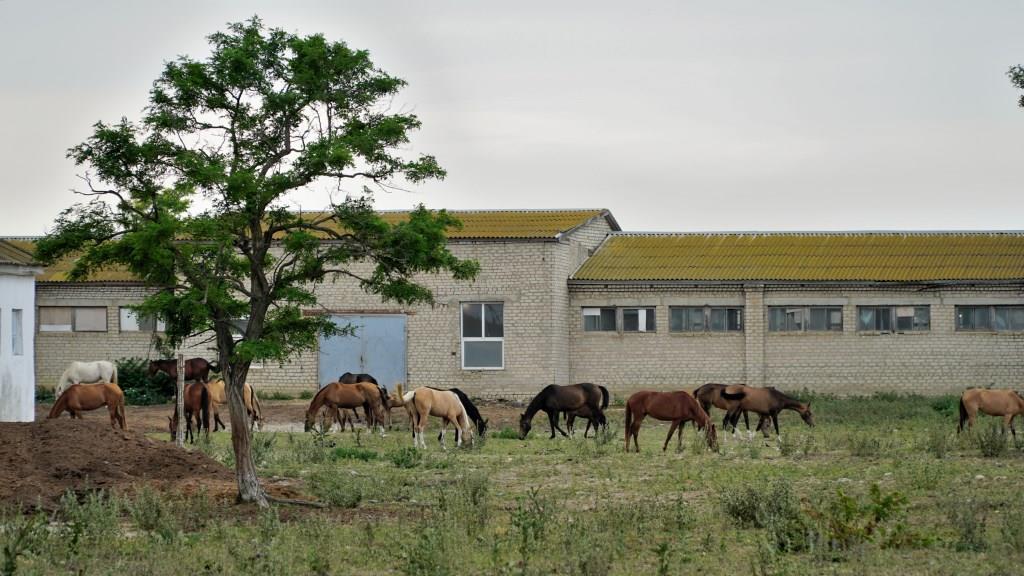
(677, 407)
(195, 368)
(80, 398)
(350, 378)
(555, 399)
(444, 404)
(767, 402)
(336, 395)
(594, 420)
(471, 410)
(219, 397)
(1005, 403)
(196, 397)
(86, 373)
(711, 395)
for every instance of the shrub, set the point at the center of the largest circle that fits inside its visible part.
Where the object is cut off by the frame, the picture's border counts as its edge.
(44, 394)
(992, 441)
(938, 442)
(347, 453)
(139, 389)
(407, 457)
(20, 536)
(1012, 530)
(506, 433)
(967, 517)
(946, 405)
(337, 489)
(262, 446)
(306, 395)
(846, 522)
(149, 512)
(865, 445)
(277, 395)
(775, 508)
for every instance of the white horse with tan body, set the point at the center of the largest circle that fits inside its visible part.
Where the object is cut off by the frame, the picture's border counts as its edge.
(424, 402)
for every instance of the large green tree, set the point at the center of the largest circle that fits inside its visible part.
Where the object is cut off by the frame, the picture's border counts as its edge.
(193, 200)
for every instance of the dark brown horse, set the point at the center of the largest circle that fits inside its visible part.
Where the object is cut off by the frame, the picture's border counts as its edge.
(555, 399)
(197, 404)
(677, 407)
(594, 420)
(711, 395)
(196, 369)
(767, 402)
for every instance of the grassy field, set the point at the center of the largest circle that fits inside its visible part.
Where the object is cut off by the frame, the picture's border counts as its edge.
(881, 486)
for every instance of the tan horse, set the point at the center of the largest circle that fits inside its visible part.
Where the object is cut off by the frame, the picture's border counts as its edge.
(80, 398)
(335, 396)
(711, 395)
(677, 407)
(443, 404)
(219, 397)
(766, 402)
(1005, 403)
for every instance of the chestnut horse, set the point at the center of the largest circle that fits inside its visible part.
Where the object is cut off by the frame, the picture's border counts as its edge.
(219, 397)
(195, 368)
(80, 398)
(594, 420)
(555, 399)
(197, 404)
(677, 407)
(444, 404)
(1005, 403)
(336, 395)
(767, 402)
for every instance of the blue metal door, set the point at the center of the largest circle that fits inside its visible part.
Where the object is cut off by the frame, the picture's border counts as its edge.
(377, 348)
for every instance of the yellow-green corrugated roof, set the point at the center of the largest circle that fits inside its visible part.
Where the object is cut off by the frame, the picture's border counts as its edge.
(18, 252)
(809, 257)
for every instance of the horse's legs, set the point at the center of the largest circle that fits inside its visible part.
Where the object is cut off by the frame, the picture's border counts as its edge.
(679, 436)
(554, 423)
(1008, 421)
(671, 430)
(635, 431)
(775, 422)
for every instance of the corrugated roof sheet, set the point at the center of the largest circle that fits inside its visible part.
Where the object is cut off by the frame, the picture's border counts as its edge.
(809, 257)
(18, 252)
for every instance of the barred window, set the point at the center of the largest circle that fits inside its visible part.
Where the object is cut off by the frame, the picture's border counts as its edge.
(894, 318)
(805, 318)
(705, 319)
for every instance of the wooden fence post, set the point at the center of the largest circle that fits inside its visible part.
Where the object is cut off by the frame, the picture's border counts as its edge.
(179, 434)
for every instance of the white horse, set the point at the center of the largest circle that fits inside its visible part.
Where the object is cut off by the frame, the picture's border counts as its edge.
(86, 373)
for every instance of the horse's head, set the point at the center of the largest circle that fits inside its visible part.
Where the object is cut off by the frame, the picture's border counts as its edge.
(807, 415)
(481, 427)
(524, 426)
(310, 421)
(172, 426)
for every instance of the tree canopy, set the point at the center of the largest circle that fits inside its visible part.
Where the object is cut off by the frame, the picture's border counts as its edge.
(193, 199)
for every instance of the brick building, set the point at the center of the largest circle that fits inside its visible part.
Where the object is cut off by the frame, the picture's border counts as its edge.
(565, 296)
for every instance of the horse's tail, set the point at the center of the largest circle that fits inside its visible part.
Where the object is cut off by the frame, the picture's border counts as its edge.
(257, 410)
(629, 419)
(604, 397)
(384, 397)
(204, 406)
(963, 415)
(409, 396)
(113, 373)
(120, 408)
(733, 395)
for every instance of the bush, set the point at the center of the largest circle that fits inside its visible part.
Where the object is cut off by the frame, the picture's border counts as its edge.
(139, 389)
(306, 395)
(846, 522)
(505, 433)
(337, 489)
(1012, 529)
(346, 453)
(774, 507)
(865, 445)
(946, 405)
(938, 442)
(407, 457)
(992, 441)
(44, 394)
(967, 517)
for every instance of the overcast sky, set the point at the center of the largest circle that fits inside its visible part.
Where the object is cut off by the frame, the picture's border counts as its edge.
(674, 115)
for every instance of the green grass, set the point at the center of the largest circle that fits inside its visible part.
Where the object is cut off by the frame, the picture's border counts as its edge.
(881, 486)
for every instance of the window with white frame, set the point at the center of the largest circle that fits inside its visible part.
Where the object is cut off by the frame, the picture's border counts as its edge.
(990, 318)
(805, 318)
(893, 318)
(132, 321)
(72, 319)
(599, 319)
(483, 335)
(638, 320)
(705, 319)
(17, 336)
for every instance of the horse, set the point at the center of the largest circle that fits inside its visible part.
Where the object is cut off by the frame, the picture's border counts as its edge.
(80, 398)
(350, 378)
(767, 402)
(444, 404)
(86, 373)
(1005, 403)
(195, 368)
(592, 419)
(196, 397)
(397, 399)
(219, 397)
(555, 399)
(711, 395)
(677, 407)
(336, 395)
(471, 410)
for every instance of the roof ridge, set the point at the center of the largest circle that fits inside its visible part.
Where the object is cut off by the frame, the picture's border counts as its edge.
(822, 233)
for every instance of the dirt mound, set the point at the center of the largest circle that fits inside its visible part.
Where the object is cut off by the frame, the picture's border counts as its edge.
(41, 460)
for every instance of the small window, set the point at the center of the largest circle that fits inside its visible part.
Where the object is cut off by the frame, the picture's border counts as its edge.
(705, 319)
(130, 321)
(17, 337)
(483, 335)
(638, 320)
(805, 319)
(72, 319)
(990, 318)
(893, 318)
(599, 319)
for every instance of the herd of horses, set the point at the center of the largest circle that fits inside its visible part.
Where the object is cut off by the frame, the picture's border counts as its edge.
(88, 386)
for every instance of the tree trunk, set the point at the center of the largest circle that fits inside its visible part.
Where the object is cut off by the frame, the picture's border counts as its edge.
(249, 489)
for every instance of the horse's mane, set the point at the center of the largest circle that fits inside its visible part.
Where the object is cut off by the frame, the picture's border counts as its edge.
(318, 394)
(535, 405)
(779, 395)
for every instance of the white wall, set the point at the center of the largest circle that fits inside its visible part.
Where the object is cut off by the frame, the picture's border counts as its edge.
(17, 373)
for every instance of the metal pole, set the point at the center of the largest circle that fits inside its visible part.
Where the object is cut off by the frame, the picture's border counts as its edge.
(179, 435)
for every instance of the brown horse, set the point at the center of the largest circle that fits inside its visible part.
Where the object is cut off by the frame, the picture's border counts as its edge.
(677, 407)
(335, 396)
(444, 404)
(219, 397)
(1005, 403)
(80, 398)
(767, 402)
(555, 399)
(197, 404)
(594, 420)
(711, 395)
(195, 368)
